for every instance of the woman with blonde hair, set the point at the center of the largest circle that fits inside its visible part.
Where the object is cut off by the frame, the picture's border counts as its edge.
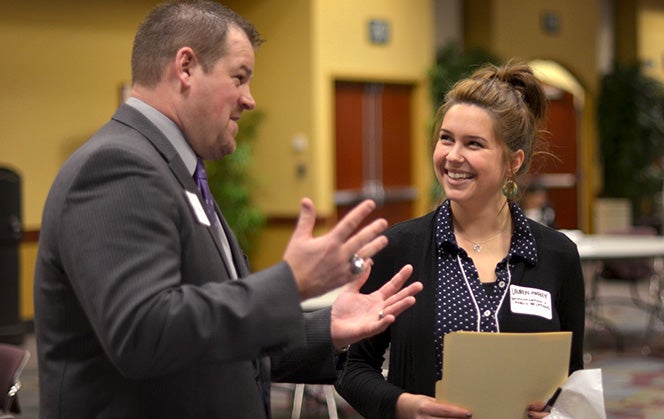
(470, 252)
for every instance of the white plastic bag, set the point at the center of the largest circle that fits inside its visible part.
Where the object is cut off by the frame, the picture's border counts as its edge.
(582, 396)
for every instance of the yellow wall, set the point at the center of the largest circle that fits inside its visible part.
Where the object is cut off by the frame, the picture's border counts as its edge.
(626, 30)
(344, 52)
(517, 33)
(27, 257)
(64, 64)
(67, 59)
(282, 87)
(513, 29)
(650, 37)
(310, 44)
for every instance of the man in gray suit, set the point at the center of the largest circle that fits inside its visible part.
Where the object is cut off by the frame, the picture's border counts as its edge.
(144, 303)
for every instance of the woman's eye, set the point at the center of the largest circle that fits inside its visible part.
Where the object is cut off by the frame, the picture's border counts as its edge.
(475, 144)
(446, 138)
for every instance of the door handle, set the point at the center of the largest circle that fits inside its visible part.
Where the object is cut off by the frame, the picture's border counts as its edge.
(379, 195)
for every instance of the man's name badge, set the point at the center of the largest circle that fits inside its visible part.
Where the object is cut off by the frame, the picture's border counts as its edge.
(196, 205)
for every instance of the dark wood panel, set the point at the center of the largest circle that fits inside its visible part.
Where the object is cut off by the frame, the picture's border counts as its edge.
(562, 144)
(561, 124)
(348, 132)
(396, 129)
(373, 144)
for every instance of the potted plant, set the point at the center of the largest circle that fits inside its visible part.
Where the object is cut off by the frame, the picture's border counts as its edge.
(453, 64)
(630, 121)
(230, 183)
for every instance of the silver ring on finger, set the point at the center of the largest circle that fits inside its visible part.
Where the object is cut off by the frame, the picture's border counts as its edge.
(356, 264)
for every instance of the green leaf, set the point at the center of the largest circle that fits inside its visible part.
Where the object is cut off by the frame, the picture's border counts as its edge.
(231, 184)
(630, 122)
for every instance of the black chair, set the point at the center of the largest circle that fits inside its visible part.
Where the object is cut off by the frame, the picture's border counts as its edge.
(12, 361)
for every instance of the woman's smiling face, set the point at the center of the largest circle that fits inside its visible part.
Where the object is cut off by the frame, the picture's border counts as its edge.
(468, 159)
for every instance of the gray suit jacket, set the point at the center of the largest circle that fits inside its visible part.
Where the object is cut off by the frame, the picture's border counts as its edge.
(135, 313)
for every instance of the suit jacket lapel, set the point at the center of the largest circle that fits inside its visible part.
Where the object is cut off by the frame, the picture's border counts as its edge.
(239, 260)
(133, 118)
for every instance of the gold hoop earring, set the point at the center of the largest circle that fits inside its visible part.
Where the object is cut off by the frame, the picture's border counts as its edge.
(510, 189)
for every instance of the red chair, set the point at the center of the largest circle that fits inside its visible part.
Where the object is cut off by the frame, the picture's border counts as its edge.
(12, 361)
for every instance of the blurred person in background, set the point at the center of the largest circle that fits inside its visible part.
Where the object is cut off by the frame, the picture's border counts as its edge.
(536, 205)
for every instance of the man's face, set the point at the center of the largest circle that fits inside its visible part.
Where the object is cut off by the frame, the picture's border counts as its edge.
(216, 99)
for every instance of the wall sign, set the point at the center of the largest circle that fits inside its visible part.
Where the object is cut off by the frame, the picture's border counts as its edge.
(550, 22)
(379, 31)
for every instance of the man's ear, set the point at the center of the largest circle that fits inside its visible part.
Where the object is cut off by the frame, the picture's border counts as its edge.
(185, 61)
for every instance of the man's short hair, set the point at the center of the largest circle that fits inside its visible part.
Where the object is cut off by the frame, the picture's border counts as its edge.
(200, 25)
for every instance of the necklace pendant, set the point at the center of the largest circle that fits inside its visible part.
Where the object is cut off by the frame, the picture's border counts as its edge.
(477, 247)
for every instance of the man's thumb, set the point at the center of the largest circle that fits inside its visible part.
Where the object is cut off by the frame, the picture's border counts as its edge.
(306, 220)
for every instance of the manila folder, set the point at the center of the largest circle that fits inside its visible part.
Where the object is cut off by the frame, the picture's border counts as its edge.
(496, 375)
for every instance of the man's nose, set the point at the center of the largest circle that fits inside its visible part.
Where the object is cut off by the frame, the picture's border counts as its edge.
(247, 101)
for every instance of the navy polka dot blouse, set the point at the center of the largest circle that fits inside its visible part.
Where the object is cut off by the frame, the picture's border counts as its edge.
(462, 301)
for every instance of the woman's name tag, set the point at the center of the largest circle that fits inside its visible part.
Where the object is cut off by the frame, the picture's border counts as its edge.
(531, 301)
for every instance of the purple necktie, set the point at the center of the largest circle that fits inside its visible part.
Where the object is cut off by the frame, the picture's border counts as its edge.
(201, 181)
(200, 176)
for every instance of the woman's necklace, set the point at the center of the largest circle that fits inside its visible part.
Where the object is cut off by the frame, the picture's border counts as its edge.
(477, 246)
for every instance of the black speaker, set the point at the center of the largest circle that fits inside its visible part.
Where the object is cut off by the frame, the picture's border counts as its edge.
(12, 328)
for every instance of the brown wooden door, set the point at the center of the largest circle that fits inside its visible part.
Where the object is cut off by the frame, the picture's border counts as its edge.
(373, 148)
(559, 173)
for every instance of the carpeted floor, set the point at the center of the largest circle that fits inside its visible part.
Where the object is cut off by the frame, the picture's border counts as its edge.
(631, 360)
(633, 387)
(633, 376)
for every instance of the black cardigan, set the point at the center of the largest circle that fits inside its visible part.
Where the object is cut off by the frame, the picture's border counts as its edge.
(412, 362)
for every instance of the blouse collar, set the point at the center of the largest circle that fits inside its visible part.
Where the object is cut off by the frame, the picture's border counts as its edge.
(522, 245)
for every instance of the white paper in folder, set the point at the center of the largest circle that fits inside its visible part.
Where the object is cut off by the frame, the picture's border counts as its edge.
(496, 375)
